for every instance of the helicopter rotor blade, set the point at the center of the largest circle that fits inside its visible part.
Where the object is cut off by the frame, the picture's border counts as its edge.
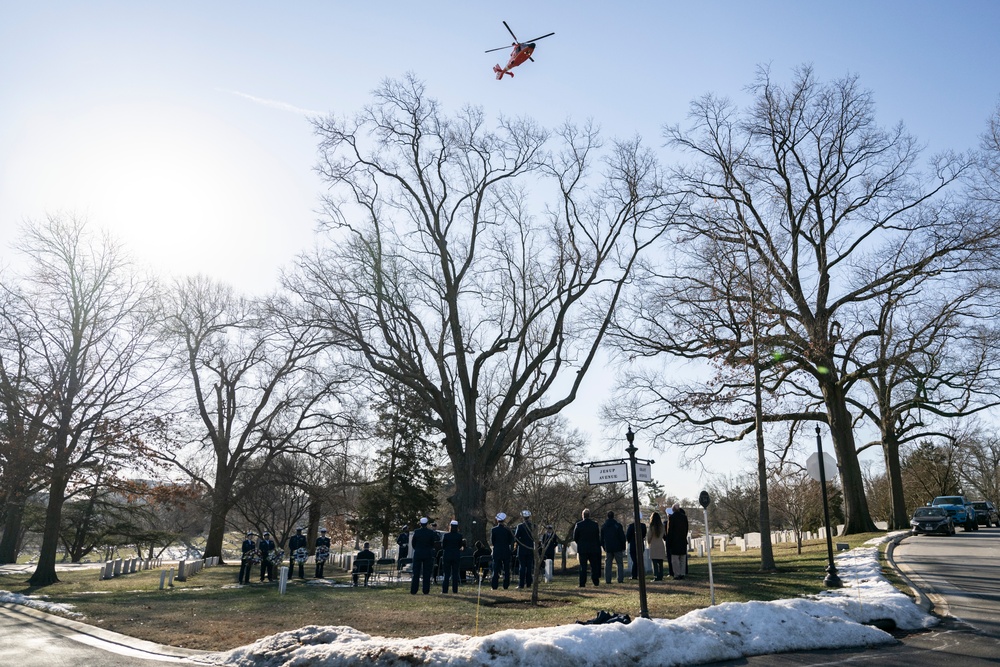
(535, 39)
(499, 48)
(510, 31)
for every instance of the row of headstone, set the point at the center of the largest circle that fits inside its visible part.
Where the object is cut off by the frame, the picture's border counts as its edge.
(120, 566)
(187, 569)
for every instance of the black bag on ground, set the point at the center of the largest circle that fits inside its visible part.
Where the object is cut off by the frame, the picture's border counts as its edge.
(607, 617)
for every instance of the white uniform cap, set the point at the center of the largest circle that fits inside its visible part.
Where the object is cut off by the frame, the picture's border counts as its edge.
(525, 513)
(454, 523)
(423, 520)
(322, 530)
(501, 516)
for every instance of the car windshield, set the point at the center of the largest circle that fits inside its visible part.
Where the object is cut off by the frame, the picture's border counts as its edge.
(980, 506)
(926, 512)
(948, 500)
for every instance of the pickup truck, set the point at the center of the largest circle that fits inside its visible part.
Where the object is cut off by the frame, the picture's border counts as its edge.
(959, 509)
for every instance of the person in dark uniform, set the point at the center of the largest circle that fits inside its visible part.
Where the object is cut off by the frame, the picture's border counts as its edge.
(266, 546)
(322, 552)
(587, 535)
(636, 550)
(297, 541)
(423, 557)
(452, 544)
(403, 541)
(524, 537)
(503, 543)
(437, 552)
(364, 563)
(246, 561)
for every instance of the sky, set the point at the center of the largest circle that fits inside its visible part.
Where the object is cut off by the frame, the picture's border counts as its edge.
(183, 128)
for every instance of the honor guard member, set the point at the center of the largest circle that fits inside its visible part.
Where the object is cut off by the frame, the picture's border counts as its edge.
(503, 543)
(423, 557)
(403, 541)
(322, 551)
(266, 546)
(297, 541)
(524, 536)
(452, 544)
(246, 561)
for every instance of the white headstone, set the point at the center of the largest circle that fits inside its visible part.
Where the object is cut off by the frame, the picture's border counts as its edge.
(118, 567)
(182, 571)
(548, 570)
(283, 580)
(753, 540)
(163, 578)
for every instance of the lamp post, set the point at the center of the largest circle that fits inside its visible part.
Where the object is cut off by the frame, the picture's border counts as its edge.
(640, 562)
(831, 579)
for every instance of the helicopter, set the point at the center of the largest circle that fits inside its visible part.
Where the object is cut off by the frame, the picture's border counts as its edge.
(522, 51)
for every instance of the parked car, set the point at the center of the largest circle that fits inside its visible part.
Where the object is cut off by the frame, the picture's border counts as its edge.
(929, 520)
(986, 513)
(959, 509)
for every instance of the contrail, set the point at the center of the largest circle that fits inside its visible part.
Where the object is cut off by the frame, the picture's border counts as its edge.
(274, 104)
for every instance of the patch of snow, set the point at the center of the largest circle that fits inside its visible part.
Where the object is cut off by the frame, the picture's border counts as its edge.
(832, 619)
(37, 602)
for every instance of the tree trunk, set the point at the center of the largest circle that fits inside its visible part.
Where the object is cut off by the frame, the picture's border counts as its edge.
(469, 499)
(10, 543)
(221, 503)
(899, 519)
(857, 519)
(315, 514)
(45, 571)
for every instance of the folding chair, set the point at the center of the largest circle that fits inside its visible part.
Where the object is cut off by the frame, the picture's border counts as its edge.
(385, 567)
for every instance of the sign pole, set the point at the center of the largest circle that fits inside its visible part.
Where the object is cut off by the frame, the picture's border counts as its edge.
(640, 548)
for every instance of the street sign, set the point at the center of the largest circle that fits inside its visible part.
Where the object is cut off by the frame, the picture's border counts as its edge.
(643, 472)
(704, 499)
(829, 466)
(608, 474)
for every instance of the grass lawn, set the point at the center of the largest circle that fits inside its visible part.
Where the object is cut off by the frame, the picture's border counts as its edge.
(210, 612)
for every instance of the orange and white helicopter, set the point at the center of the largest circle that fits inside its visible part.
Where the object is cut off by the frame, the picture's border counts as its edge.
(522, 51)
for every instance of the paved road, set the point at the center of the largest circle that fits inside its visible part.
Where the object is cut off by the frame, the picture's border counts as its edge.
(959, 573)
(961, 577)
(25, 641)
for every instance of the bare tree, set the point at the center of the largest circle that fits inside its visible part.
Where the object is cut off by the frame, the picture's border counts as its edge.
(86, 320)
(256, 389)
(23, 417)
(809, 186)
(446, 275)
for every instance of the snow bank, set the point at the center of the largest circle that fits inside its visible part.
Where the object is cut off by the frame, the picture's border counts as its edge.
(37, 602)
(832, 619)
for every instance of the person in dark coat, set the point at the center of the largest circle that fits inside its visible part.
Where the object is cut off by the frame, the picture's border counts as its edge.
(322, 552)
(403, 541)
(677, 540)
(452, 544)
(481, 558)
(364, 563)
(524, 537)
(636, 551)
(246, 561)
(587, 535)
(423, 557)
(297, 541)
(549, 541)
(613, 541)
(265, 547)
(503, 543)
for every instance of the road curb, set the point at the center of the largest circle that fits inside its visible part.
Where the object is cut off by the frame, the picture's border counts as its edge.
(154, 650)
(923, 601)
